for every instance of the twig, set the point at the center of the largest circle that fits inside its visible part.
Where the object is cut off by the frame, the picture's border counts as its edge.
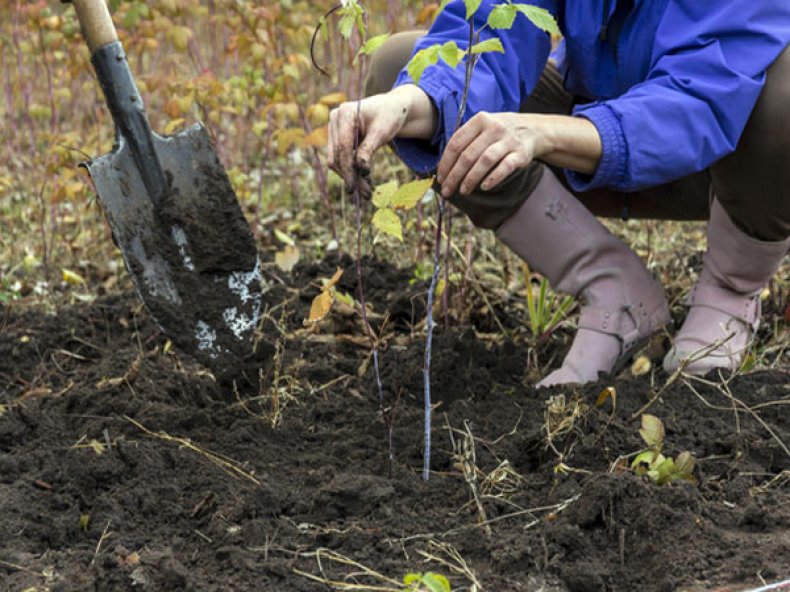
(226, 464)
(104, 536)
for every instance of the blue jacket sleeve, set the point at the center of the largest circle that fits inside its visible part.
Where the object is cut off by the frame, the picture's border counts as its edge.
(708, 69)
(500, 82)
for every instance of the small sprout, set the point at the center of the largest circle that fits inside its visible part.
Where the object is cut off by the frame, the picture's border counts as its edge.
(426, 582)
(659, 468)
(85, 522)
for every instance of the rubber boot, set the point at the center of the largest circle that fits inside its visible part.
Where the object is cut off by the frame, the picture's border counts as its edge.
(725, 301)
(622, 305)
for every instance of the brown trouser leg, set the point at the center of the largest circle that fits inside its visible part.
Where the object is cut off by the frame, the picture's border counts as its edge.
(753, 183)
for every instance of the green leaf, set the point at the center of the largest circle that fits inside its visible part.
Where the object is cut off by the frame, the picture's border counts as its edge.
(436, 582)
(643, 461)
(421, 60)
(383, 193)
(493, 44)
(540, 17)
(451, 54)
(387, 221)
(471, 7)
(409, 195)
(351, 15)
(502, 16)
(373, 44)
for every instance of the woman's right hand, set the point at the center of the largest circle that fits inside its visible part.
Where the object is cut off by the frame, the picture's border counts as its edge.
(405, 111)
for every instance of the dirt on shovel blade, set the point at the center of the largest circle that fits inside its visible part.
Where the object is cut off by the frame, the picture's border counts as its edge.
(193, 259)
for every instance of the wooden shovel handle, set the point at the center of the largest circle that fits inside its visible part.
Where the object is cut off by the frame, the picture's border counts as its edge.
(96, 23)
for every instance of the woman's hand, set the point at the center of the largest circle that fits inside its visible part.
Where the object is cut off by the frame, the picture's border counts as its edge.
(405, 111)
(491, 146)
(486, 150)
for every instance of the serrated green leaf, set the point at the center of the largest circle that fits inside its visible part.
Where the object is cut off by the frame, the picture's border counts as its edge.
(411, 578)
(451, 54)
(351, 15)
(373, 44)
(436, 582)
(540, 17)
(493, 44)
(409, 195)
(471, 7)
(421, 60)
(502, 16)
(387, 221)
(383, 193)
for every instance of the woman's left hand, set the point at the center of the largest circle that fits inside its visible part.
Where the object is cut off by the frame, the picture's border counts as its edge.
(487, 150)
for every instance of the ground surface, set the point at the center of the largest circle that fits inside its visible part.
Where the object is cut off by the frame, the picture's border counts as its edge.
(120, 472)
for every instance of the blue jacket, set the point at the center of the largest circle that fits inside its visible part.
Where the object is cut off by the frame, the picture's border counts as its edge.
(670, 83)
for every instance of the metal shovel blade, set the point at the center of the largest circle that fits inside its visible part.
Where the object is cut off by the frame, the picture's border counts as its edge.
(193, 260)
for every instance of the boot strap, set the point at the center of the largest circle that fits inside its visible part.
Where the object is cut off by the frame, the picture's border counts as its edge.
(608, 322)
(738, 306)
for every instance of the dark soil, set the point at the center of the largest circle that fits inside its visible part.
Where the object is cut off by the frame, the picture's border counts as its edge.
(93, 404)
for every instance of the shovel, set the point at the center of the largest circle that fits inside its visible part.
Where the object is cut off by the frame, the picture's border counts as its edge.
(173, 215)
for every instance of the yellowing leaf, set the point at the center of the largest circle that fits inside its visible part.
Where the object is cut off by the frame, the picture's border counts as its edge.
(318, 114)
(332, 99)
(684, 464)
(652, 431)
(387, 221)
(332, 282)
(72, 277)
(173, 125)
(383, 193)
(321, 306)
(317, 138)
(407, 196)
(608, 393)
(641, 366)
(287, 258)
(179, 37)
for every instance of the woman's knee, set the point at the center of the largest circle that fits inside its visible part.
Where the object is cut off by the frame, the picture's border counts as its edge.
(388, 60)
(753, 183)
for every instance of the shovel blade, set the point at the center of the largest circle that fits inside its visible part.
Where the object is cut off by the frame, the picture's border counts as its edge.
(193, 261)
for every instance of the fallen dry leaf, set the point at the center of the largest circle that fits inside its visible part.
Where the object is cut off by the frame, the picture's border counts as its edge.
(287, 259)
